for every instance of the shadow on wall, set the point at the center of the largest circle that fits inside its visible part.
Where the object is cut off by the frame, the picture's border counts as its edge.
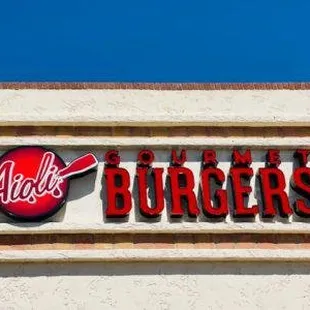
(153, 268)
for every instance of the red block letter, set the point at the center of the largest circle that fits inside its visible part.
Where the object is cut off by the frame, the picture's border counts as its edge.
(241, 191)
(302, 156)
(178, 161)
(301, 184)
(273, 188)
(118, 195)
(112, 158)
(221, 209)
(241, 159)
(179, 191)
(273, 158)
(209, 158)
(145, 157)
(159, 191)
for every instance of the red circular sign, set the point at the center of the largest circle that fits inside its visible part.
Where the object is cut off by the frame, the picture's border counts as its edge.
(30, 186)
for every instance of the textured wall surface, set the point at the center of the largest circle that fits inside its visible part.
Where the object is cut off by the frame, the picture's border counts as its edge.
(145, 107)
(159, 286)
(80, 260)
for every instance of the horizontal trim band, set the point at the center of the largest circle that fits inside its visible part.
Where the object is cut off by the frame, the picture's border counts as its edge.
(159, 121)
(153, 241)
(178, 131)
(137, 255)
(154, 228)
(158, 142)
(95, 107)
(154, 86)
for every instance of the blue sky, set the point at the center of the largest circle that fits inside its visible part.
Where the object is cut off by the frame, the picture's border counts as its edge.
(155, 41)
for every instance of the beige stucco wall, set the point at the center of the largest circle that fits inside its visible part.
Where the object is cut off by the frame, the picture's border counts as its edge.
(193, 278)
(155, 286)
(153, 107)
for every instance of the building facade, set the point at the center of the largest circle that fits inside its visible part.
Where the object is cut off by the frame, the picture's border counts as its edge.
(198, 198)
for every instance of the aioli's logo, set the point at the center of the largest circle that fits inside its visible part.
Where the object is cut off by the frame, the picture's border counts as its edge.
(34, 181)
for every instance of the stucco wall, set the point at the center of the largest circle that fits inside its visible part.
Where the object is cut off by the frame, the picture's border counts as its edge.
(158, 265)
(155, 286)
(158, 108)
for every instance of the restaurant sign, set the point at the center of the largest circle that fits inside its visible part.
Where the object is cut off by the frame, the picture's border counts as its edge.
(34, 184)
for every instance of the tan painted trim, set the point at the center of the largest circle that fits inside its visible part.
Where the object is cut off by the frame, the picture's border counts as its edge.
(136, 255)
(154, 228)
(154, 241)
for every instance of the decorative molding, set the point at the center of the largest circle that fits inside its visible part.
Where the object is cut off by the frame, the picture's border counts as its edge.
(106, 107)
(197, 143)
(150, 255)
(154, 228)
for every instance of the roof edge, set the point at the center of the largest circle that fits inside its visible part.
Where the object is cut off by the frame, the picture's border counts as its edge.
(156, 86)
